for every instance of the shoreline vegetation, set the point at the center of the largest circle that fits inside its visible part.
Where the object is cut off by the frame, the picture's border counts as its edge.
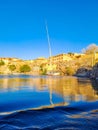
(83, 64)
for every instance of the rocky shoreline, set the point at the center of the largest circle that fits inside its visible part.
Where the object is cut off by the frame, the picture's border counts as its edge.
(88, 73)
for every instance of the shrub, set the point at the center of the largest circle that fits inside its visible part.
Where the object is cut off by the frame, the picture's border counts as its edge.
(2, 62)
(12, 67)
(70, 71)
(25, 68)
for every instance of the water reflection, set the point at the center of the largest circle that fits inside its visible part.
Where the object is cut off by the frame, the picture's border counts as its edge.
(70, 88)
(23, 93)
(95, 86)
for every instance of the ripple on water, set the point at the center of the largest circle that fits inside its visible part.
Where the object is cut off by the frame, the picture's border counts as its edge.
(67, 117)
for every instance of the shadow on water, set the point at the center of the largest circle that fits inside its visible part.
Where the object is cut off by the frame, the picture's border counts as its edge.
(95, 85)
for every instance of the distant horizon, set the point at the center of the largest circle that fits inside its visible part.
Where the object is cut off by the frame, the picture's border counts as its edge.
(72, 26)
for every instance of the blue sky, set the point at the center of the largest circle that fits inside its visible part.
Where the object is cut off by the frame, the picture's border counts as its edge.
(72, 25)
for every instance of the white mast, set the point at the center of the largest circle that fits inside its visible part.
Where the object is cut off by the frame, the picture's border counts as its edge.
(50, 52)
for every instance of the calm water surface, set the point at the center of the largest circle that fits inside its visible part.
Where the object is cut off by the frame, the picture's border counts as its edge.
(47, 102)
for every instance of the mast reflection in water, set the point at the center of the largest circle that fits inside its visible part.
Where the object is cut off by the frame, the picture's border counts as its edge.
(47, 102)
(41, 90)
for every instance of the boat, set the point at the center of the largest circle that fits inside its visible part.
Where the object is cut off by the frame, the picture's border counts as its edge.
(51, 73)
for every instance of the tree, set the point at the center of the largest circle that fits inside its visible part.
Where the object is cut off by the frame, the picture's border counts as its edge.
(91, 51)
(25, 68)
(70, 71)
(92, 48)
(43, 70)
(12, 67)
(70, 53)
(2, 62)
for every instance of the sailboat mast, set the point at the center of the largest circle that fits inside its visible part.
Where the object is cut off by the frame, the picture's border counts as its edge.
(50, 52)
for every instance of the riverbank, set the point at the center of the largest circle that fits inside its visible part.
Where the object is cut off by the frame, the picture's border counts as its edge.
(91, 73)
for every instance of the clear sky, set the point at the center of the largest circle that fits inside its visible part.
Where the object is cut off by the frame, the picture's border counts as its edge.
(72, 25)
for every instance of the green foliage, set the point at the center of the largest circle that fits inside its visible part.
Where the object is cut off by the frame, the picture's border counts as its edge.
(70, 53)
(96, 60)
(25, 68)
(70, 71)
(43, 71)
(12, 67)
(41, 67)
(2, 62)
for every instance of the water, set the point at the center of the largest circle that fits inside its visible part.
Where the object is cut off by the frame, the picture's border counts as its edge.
(48, 102)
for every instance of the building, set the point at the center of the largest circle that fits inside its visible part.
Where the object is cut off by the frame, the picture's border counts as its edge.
(59, 58)
(39, 61)
(10, 60)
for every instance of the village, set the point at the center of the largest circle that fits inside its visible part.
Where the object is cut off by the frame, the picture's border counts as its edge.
(79, 64)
